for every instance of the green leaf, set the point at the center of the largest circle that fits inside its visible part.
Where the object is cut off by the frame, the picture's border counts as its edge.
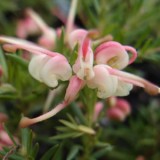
(60, 43)
(73, 152)
(102, 144)
(68, 124)
(102, 152)
(49, 154)
(59, 152)
(71, 119)
(64, 135)
(73, 55)
(7, 88)
(78, 112)
(27, 146)
(86, 129)
(10, 135)
(4, 64)
(21, 61)
(35, 150)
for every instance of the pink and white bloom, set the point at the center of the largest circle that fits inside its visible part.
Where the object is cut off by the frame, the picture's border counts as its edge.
(46, 66)
(49, 70)
(98, 70)
(115, 114)
(83, 66)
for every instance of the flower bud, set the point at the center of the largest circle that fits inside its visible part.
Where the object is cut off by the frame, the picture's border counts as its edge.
(115, 114)
(124, 106)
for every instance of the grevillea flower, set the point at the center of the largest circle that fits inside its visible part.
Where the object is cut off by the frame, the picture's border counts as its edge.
(49, 67)
(46, 66)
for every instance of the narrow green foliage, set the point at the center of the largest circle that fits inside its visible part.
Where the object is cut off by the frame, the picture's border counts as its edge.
(21, 61)
(49, 154)
(28, 149)
(60, 43)
(73, 152)
(10, 135)
(3, 64)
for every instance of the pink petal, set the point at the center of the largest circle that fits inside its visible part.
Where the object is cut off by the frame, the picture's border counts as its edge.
(103, 81)
(114, 54)
(75, 85)
(135, 80)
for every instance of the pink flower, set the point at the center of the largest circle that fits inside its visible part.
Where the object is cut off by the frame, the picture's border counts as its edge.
(119, 109)
(83, 66)
(98, 69)
(124, 106)
(49, 67)
(43, 63)
(114, 54)
(115, 114)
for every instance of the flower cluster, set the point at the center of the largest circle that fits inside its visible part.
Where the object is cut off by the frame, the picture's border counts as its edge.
(97, 68)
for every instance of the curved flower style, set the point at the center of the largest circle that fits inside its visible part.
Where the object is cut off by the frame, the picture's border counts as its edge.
(99, 69)
(46, 66)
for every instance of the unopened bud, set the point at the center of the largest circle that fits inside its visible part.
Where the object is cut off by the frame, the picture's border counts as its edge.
(115, 114)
